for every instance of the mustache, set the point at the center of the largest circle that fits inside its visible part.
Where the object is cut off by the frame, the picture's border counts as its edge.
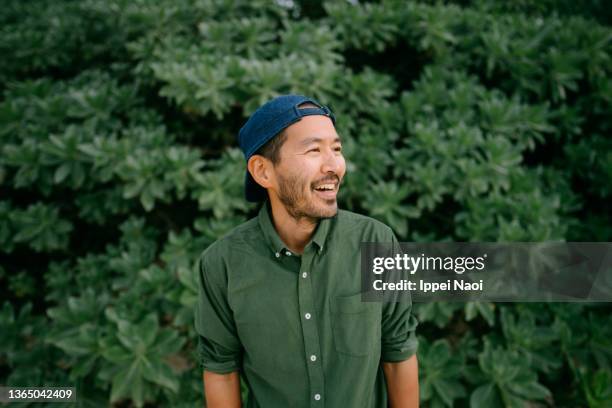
(329, 179)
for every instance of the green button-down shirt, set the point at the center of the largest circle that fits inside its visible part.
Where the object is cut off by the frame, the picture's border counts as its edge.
(294, 325)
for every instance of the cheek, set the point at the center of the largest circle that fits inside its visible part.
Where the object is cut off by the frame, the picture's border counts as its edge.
(341, 166)
(307, 168)
(300, 173)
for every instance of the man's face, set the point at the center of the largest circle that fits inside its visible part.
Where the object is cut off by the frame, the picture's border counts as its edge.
(310, 169)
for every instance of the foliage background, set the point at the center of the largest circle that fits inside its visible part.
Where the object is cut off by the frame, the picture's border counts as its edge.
(473, 120)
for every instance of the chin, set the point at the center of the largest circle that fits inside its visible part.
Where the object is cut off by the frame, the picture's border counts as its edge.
(328, 211)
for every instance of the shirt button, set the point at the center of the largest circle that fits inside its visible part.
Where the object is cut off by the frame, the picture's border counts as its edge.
(317, 397)
(313, 358)
(288, 253)
(277, 255)
(307, 316)
(304, 275)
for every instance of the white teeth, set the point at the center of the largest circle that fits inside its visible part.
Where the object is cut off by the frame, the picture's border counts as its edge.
(325, 187)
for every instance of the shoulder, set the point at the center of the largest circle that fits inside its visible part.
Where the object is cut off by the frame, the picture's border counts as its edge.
(232, 241)
(364, 227)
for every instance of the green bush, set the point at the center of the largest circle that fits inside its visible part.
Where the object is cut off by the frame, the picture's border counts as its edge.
(468, 121)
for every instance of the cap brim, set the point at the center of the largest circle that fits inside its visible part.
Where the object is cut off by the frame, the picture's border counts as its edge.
(253, 191)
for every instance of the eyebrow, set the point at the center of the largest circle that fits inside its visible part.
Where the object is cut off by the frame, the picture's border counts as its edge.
(315, 139)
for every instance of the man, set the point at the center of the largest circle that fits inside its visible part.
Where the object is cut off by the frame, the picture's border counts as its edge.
(279, 303)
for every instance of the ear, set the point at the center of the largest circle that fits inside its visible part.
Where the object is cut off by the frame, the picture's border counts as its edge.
(261, 170)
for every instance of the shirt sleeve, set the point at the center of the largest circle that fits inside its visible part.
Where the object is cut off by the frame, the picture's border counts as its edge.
(219, 348)
(399, 324)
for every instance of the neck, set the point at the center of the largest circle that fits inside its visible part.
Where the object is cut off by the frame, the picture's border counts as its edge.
(295, 233)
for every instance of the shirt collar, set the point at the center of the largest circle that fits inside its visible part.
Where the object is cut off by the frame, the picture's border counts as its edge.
(274, 241)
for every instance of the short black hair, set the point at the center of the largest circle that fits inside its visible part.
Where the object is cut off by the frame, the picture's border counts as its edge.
(271, 149)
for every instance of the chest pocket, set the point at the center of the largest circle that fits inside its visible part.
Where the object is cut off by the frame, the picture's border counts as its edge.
(355, 325)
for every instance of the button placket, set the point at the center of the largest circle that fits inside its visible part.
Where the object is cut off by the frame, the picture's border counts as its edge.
(309, 328)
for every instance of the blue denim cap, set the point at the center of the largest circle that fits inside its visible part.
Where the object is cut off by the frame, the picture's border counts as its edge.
(267, 122)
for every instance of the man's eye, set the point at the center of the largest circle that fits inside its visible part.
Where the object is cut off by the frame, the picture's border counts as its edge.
(338, 148)
(316, 149)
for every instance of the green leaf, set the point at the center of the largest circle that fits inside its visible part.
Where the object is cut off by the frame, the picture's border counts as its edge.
(484, 309)
(530, 390)
(147, 200)
(116, 354)
(159, 373)
(485, 396)
(128, 383)
(147, 330)
(440, 370)
(61, 173)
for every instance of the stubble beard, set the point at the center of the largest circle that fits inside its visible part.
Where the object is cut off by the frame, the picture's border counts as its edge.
(292, 195)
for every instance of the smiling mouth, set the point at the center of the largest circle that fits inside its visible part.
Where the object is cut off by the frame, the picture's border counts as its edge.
(327, 190)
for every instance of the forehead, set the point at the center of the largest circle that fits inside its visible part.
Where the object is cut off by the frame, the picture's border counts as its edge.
(314, 126)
